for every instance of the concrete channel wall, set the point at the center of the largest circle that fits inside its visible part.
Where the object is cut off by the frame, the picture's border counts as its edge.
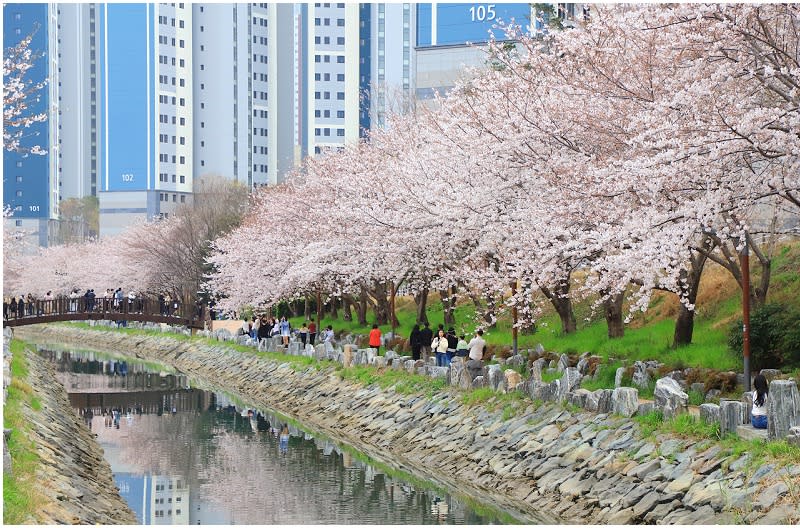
(546, 464)
(74, 479)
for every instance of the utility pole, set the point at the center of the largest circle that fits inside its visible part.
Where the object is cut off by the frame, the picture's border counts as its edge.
(514, 330)
(744, 257)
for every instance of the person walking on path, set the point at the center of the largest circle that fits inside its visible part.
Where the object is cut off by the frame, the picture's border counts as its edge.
(303, 334)
(759, 416)
(285, 331)
(375, 338)
(254, 327)
(312, 332)
(476, 346)
(452, 343)
(439, 345)
(415, 340)
(426, 336)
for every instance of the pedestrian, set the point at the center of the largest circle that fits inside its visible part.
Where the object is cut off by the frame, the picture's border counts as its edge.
(264, 329)
(276, 328)
(245, 327)
(759, 415)
(415, 341)
(6, 302)
(107, 299)
(131, 301)
(73, 301)
(30, 303)
(91, 300)
(476, 346)
(312, 332)
(375, 338)
(462, 349)
(329, 337)
(426, 336)
(439, 345)
(48, 302)
(254, 327)
(21, 306)
(303, 334)
(452, 343)
(286, 330)
(162, 305)
(12, 307)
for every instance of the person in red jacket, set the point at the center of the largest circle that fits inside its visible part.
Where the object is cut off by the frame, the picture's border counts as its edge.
(312, 332)
(375, 338)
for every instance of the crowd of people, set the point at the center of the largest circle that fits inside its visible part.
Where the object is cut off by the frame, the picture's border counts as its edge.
(263, 327)
(112, 300)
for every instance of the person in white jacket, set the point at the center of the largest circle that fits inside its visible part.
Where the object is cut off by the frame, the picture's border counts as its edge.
(476, 346)
(439, 345)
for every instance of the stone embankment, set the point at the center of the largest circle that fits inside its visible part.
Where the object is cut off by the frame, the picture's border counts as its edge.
(73, 477)
(546, 464)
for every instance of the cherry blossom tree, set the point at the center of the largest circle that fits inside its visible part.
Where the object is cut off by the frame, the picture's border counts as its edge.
(20, 94)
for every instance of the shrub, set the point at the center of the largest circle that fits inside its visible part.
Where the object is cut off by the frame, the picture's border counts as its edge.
(774, 336)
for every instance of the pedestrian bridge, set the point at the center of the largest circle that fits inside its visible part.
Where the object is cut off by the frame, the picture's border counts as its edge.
(82, 309)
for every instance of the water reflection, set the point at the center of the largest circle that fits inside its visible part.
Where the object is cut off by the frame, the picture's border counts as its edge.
(188, 456)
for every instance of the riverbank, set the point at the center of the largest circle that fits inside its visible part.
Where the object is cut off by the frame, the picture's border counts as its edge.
(549, 463)
(60, 476)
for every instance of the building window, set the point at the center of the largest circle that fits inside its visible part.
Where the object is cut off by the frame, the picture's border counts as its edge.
(326, 132)
(316, 131)
(340, 59)
(19, 164)
(183, 179)
(316, 95)
(340, 132)
(317, 113)
(340, 22)
(19, 179)
(18, 223)
(340, 77)
(340, 114)
(340, 96)
(316, 58)
(316, 21)
(340, 41)
(327, 21)
(19, 194)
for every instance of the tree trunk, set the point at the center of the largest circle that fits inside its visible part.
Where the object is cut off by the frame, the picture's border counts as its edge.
(690, 281)
(362, 307)
(448, 306)
(307, 308)
(421, 300)
(613, 312)
(381, 304)
(562, 302)
(347, 315)
(334, 308)
(320, 309)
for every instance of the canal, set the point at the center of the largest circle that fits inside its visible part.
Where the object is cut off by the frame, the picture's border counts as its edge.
(186, 454)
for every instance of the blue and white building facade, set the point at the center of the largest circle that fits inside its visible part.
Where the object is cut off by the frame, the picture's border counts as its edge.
(145, 111)
(30, 181)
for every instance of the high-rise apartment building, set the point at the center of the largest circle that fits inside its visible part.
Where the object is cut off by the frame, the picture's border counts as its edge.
(389, 60)
(144, 73)
(78, 96)
(31, 181)
(244, 91)
(331, 75)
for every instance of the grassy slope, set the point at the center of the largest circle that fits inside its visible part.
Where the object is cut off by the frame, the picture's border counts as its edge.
(648, 336)
(20, 498)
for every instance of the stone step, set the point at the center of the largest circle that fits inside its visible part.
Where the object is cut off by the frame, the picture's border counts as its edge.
(748, 432)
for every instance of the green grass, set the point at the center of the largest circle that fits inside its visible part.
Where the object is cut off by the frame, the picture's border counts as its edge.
(403, 382)
(605, 377)
(21, 500)
(652, 341)
(683, 426)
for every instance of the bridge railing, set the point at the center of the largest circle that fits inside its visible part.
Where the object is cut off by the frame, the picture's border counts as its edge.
(103, 308)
